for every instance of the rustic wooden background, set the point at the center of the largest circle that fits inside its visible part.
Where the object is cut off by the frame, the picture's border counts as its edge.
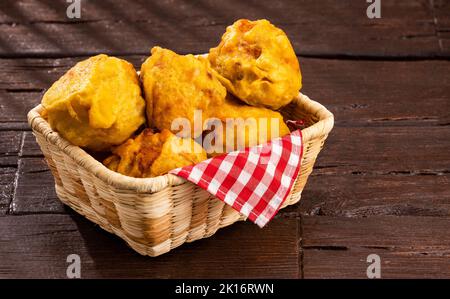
(381, 185)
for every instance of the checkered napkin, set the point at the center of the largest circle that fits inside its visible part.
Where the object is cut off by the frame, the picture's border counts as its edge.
(254, 181)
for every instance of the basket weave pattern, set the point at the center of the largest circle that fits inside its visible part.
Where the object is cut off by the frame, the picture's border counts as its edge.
(155, 215)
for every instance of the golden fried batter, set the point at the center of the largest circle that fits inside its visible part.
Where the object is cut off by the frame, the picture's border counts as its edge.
(247, 126)
(176, 85)
(97, 103)
(257, 63)
(153, 154)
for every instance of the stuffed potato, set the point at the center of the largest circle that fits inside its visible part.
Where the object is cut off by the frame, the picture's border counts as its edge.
(257, 64)
(175, 86)
(97, 103)
(153, 154)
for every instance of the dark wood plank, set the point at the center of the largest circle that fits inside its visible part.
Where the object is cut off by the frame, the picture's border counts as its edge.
(30, 147)
(34, 75)
(363, 93)
(14, 126)
(397, 263)
(15, 105)
(36, 246)
(412, 232)
(10, 144)
(408, 246)
(386, 150)
(32, 28)
(24, 82)
(369, 93)
(7, 179)
(9, 148)
(373, 195)
(35, 191)
(441, 9)
(442, 23)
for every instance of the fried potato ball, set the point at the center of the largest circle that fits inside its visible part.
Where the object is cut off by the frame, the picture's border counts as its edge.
(243, 126)
(97, 103)
(177, 85)
(153, 154)
(257, 64)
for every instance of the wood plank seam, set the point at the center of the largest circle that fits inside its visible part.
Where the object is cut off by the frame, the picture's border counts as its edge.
(16, 178)
(349, 57)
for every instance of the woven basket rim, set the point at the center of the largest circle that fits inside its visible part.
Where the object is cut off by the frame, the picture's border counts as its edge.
(156, 184)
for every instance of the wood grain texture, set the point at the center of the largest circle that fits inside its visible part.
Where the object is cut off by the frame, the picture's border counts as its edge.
(36, 246)
(330, 28)
(408, 246)
(9, 147)
(374, 195)
(373, 93)
(35, 189)
(395, 263)
(9, 151)
(14, 106)
(34, 75)
(441, 9)
(386, 150)
(7, 179)
(359, 93)
(10, 144)
(30, 147)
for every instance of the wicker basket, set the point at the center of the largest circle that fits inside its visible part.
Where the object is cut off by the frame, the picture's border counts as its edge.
(155, 215)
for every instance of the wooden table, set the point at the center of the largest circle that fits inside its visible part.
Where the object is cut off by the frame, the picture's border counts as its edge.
(380, 186)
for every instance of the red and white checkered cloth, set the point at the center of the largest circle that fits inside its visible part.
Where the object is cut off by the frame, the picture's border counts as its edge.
(255, 181)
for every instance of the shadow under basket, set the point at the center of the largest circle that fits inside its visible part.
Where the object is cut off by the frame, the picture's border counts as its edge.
(155, 215)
